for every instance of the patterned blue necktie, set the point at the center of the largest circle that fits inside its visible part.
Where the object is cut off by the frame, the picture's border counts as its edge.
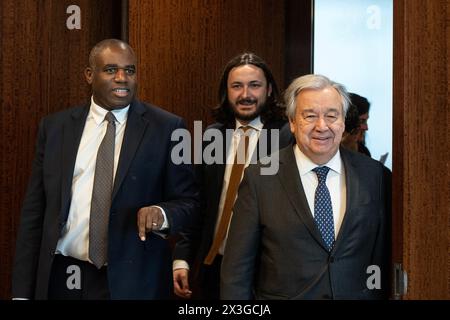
(323, 211)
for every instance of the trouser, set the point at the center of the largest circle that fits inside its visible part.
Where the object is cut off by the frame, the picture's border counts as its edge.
(73, 279)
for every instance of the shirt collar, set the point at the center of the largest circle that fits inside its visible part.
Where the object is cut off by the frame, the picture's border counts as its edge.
(255, 124)
(98, 113)
(305, 164)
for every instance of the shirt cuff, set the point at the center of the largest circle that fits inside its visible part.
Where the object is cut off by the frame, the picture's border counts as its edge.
(161, 232)
(165, 224)
(180, 264)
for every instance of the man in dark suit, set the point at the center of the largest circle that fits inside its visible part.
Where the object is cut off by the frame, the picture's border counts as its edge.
(249, 98)
(318, 228)
(139, 199)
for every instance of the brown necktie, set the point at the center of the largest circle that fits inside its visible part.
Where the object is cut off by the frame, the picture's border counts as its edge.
(101, 196)
(233, 185)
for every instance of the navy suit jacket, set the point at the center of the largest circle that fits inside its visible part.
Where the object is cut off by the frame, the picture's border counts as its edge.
(145, 176)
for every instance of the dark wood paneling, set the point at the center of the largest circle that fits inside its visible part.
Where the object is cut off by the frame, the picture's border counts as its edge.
(398, 142)
(41, 71)
(299, 37)
(69, 49)
(183, 45)
(23, 91)
(421, 146)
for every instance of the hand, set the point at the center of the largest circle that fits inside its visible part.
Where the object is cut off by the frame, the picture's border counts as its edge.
(181, 283)
(149, 219)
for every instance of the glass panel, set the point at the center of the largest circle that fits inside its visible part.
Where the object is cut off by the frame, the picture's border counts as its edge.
(353, 46)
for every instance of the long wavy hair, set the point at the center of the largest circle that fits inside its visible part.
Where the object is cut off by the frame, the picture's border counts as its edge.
(272, 110)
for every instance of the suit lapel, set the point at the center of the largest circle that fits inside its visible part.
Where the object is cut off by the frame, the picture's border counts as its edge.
(136, 125)
(352, 196)
(291, 182)
(72, 131)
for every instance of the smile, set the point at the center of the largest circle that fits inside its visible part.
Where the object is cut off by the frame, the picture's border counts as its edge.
(121, 92)
(321, 139)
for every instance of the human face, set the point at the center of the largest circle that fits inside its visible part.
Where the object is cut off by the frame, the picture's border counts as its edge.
(363, 126)
(113, 78)
(318, 124)
(247, 90)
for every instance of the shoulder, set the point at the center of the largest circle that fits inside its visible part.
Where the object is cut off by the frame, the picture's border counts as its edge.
(275, 124)
(156, 117)
(154, 112)
(217, 125)
(268, 167)
(362, 162)
(59, 116)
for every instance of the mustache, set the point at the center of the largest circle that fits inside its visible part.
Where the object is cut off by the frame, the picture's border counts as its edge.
(247, 101)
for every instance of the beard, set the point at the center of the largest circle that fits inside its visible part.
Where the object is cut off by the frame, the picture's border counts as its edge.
(245, 116)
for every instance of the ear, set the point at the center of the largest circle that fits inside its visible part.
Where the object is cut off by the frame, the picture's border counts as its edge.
(88, 74)
(292, 125)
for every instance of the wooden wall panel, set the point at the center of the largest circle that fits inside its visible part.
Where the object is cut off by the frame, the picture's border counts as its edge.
(421, 146)
(21, 106)
(183, 45)
(41, 72)
(69, 49)
(299, 36)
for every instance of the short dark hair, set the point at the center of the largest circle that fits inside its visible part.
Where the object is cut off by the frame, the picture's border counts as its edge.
(273, 108)
(361, 103)
(351, 119)
(106, 43)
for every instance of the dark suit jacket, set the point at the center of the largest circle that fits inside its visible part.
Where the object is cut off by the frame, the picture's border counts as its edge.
(275, 251)
(145, 176)
(196, 242)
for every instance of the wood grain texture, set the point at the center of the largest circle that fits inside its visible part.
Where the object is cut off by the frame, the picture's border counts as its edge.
(299, 30)
(183, 45)
(421, 146)
(41, 72)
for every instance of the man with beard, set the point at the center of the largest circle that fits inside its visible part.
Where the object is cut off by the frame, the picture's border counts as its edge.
(249, 102)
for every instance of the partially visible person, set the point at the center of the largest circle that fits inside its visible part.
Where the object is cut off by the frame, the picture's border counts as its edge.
(363, 106)
(248, 101)
(103, 193)
(351, 133)
(318, 228)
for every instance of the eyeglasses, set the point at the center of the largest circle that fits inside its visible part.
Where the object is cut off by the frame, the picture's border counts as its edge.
(329, 118)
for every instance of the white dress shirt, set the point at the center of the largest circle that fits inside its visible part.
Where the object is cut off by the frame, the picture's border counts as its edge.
(335, 183)
(254, 134)
(74, 241)
(257, 126)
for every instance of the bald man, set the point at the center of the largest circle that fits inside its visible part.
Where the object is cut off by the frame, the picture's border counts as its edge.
(104, 194)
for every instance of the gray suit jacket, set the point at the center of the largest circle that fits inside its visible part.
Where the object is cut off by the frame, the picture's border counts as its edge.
(275, 251)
